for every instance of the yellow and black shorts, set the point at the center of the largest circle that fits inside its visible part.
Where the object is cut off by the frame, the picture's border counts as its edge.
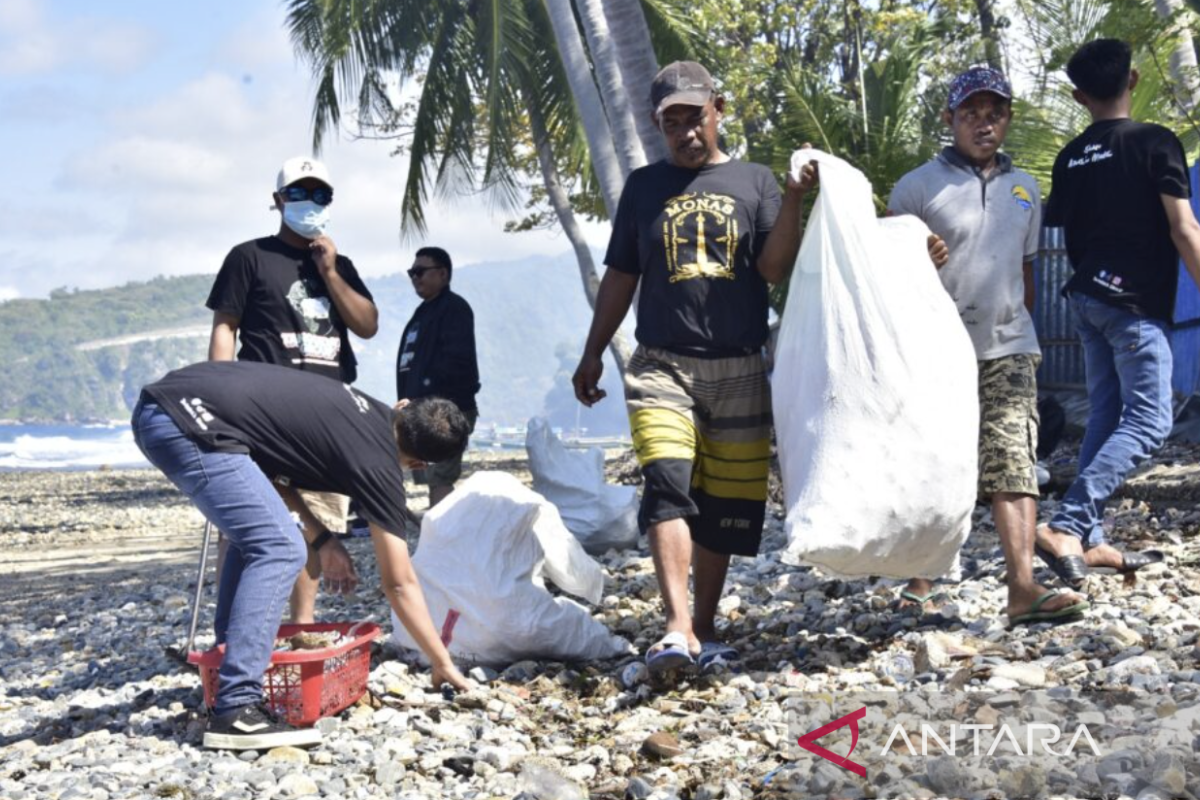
(702, 433)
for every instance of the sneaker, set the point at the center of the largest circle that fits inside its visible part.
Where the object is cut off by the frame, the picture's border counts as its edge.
(255, 727)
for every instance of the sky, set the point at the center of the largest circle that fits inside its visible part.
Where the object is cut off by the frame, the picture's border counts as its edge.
(142, 138)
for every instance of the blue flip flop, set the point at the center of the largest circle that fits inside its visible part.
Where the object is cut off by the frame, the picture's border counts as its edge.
(672, 653)
(715, 654)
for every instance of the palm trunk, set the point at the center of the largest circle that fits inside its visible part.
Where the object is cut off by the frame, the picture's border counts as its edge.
(561, 204)
(612, 87)
(1185, 74)
(587, 101)
(639, 65)
(988, 32)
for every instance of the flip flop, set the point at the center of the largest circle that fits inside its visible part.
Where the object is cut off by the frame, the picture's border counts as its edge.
(672, 653)
(919, 600)
(1070, 569)
(1035, 614)
(1132, 562)
(714, 654)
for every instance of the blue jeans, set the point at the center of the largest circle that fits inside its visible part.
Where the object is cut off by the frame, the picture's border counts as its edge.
(1128, 362)
(266, 551)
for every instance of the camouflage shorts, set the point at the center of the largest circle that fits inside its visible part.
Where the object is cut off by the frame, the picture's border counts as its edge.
(1008, 425)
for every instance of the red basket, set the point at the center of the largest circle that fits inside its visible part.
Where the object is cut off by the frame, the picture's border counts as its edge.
(304, 685)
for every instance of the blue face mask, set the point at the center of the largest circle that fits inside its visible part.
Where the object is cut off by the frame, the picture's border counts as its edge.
(306, 218)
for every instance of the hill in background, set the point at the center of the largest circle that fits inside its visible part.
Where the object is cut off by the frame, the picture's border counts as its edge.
(84, 355)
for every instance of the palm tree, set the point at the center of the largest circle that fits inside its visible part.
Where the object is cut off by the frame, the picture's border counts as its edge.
(490, 73)
(612, 86)
(1184, 69)
(638, 64)
(587, 101)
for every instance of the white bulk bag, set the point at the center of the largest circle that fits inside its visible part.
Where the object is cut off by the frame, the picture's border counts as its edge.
(875, 397)
(484, 554)
(602, 516)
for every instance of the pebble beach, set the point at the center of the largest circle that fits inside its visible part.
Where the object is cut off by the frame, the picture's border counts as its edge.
(99, 569)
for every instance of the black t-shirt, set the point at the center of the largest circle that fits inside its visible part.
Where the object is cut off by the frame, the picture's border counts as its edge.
(694, 237)
(1106, 194)
(300, 429)
(285, 314)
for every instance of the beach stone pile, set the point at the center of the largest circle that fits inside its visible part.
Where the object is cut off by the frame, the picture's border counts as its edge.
(94, 702)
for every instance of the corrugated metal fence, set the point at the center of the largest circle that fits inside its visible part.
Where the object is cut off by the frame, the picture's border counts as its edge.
(1062, 355)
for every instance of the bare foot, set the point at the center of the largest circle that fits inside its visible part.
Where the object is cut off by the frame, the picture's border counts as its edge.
(1059, 544)
(1104, 555)
(693, 644)
(1021, 600)
(918, 587)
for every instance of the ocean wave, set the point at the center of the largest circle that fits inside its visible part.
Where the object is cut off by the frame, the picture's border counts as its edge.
(32, 451)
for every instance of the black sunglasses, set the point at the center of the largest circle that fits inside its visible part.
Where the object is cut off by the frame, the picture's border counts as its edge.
(416, 272)
(322, 195)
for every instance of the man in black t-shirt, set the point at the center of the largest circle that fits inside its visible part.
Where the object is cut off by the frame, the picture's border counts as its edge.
(240, 439)
(292, 299)
(437, 356)
(1120, 190)
(703, 235)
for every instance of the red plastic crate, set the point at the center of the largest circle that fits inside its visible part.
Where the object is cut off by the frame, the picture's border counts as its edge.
(303, 686)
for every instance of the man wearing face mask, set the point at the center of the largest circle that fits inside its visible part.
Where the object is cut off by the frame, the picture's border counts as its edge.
(292, 298)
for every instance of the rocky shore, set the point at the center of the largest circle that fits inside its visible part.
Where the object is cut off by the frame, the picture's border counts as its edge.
(96, 582)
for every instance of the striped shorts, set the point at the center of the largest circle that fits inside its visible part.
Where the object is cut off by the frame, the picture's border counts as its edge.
(702, 434)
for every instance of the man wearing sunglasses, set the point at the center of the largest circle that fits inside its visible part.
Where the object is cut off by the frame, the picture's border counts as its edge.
(292, 299)
(437, 356)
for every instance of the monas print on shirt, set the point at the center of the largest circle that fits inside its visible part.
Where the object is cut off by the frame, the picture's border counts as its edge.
(700, 236)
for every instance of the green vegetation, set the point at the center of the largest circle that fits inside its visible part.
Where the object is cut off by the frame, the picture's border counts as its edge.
(530, 322)
(48, 376)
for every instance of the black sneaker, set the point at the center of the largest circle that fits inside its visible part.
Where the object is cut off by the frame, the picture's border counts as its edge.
(255, 727)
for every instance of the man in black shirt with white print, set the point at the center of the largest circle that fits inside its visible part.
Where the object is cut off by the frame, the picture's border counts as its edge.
(241, 439)
(293, 299)
(1121, 192)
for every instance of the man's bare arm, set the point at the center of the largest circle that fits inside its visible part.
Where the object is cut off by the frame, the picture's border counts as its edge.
(1185, 233)
(360, 314)
(337, 568)
(612, 304)
(400, 585)
(222, 342)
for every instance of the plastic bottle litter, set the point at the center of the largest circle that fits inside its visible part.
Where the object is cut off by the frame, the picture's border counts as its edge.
(899, 667)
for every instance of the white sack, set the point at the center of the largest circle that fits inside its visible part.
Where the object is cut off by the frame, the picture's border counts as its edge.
(875, 398)
(484, 554)
(602, 516)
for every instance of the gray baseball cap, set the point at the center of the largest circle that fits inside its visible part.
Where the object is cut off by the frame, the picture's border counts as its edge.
(681, 83)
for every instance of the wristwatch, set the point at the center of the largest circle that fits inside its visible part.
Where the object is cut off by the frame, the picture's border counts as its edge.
(319, 542)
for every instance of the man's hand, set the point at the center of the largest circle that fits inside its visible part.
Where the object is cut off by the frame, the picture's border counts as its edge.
(586, 381)
(939, 253)
(337, 568)
(448, 673)
(808, 177)
(325, 253)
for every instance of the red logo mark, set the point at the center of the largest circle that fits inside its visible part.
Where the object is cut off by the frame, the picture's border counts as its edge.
(452, 619)
(808, 742)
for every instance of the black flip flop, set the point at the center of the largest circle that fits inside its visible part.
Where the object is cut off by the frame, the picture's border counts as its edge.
(1071, 570)
(1132, 562)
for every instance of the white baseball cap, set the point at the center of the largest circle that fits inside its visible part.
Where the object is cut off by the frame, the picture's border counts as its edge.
(299, 168)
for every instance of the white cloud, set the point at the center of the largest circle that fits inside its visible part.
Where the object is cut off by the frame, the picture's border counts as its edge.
(176, 179)
(138, 163)
(31, 44)
(9, 293)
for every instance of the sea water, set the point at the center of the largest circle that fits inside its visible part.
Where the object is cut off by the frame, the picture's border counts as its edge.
(68, 447)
